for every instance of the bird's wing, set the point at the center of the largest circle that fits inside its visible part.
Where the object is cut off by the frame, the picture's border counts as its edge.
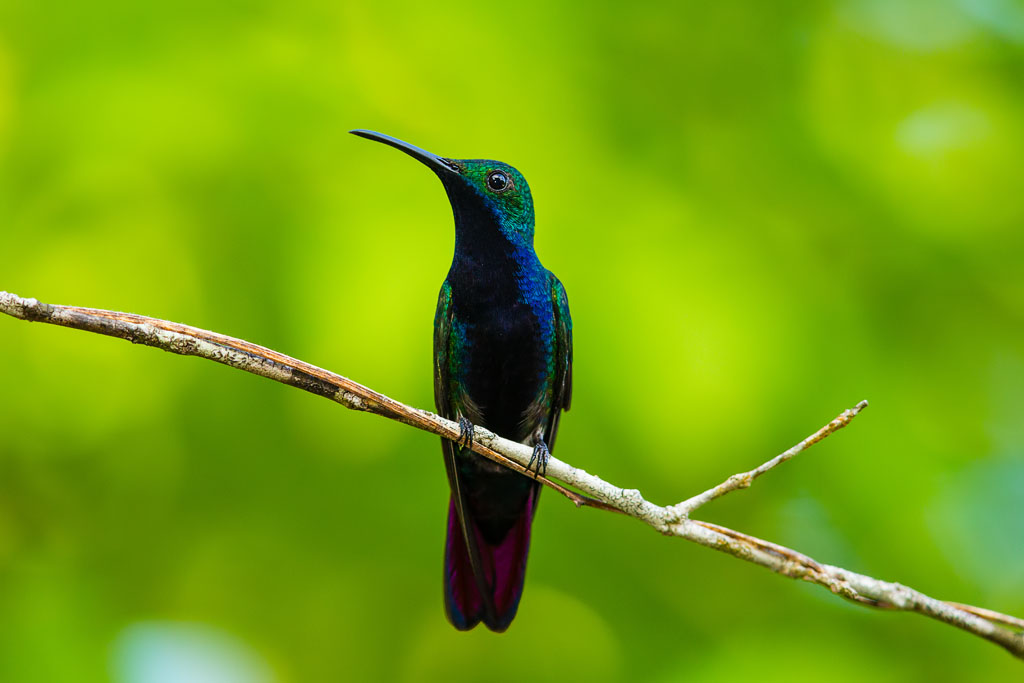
(562, 387)
(442, 342)
(467, 597)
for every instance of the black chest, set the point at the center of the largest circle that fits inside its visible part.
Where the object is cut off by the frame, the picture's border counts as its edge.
(505, 346)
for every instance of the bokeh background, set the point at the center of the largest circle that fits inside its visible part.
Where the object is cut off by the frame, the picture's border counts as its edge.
(762, 212)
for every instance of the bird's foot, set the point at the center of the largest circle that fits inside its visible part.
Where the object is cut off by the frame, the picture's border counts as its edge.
(539, 460)
(465, 433)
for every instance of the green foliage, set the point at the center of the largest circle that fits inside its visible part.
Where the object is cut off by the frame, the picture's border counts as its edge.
(762, 213)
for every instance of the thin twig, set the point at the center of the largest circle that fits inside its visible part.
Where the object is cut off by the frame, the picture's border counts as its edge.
(745, 479)
(671, 521)
(1004, 619)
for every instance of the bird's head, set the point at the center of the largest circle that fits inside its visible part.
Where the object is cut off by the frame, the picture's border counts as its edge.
(482, 192)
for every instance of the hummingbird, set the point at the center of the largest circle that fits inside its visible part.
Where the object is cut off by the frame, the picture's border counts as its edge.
(502, 361)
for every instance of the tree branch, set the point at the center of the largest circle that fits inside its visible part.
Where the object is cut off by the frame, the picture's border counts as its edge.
(590, 490)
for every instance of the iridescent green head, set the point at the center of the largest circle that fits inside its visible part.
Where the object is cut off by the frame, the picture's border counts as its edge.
(482, 192)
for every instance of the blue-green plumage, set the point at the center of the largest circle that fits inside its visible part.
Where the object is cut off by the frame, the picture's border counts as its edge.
(503, 360)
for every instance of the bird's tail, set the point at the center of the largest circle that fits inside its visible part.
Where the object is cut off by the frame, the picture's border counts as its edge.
(492, 593)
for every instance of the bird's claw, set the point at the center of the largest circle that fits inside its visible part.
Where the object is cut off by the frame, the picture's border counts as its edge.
(540, 457)
(465, 433)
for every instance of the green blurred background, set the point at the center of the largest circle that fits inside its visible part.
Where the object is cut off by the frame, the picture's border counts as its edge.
(762, 212)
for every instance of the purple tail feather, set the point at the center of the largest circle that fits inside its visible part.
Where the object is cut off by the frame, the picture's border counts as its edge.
(503, 569)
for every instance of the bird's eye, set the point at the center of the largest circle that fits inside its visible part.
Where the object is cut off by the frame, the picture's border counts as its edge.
(498, 181)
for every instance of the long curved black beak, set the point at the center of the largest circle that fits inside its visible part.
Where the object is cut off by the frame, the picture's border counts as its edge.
(440, 165)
